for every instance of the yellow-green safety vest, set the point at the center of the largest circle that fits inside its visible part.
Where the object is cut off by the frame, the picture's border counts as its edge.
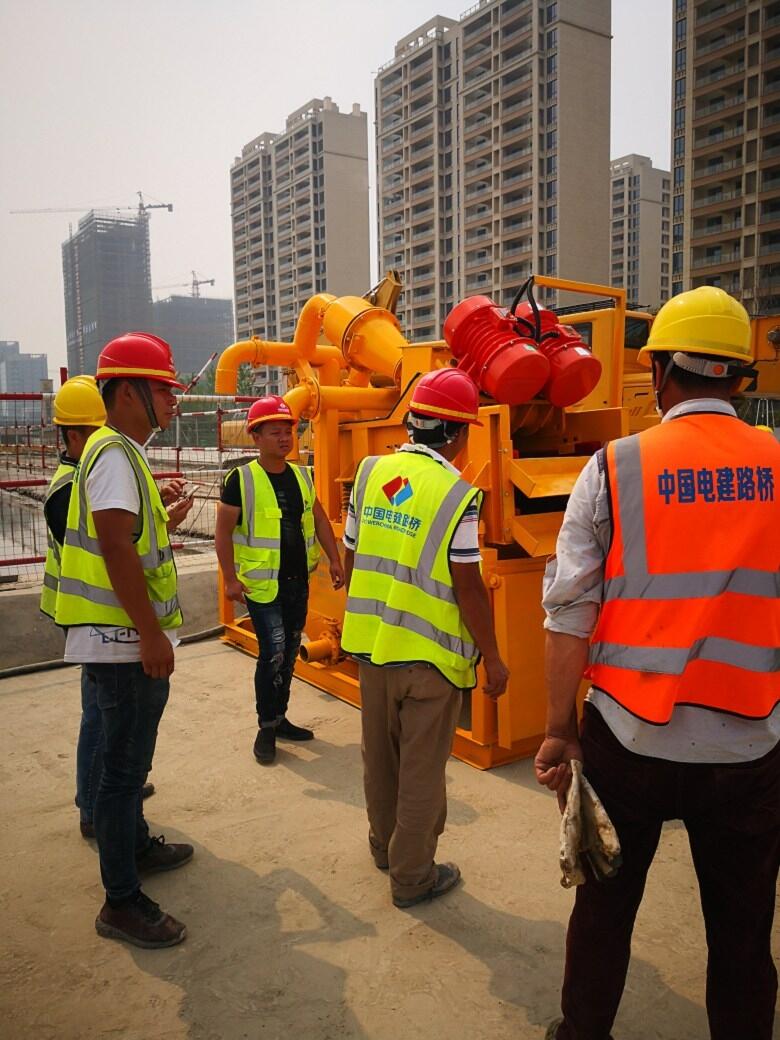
(85, 594)
(63, 477)
(257, 539)
(401, 604)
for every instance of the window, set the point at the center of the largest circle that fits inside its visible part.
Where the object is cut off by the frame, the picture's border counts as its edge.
(552, 214)
(551, 264)
(552, 139)
(552, 89)
(679, 119)
(552, 189)
(678, 206)
(552, 239)
(552, 64)
(552, 115)
(679, 152)
(680, 29)
(552, 13)
(552, 39)
(679, 89)
(680, 59)
(677, 234)
(679, 177)
(552, 164)
(677, 263)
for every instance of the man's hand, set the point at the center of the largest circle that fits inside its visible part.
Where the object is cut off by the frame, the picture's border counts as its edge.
(337, 573)
(177, 512)
(157, 655)
(172, 490)
(235, 590)
(552, 764)
(496, 675)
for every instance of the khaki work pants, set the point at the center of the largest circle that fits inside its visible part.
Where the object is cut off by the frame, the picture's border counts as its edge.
(409, 715)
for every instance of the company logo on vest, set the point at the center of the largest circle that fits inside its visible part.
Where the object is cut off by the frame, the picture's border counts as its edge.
(398, 490)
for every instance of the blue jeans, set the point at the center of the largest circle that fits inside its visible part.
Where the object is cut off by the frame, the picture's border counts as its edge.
(89, 750)
(278, 626)
(131, 705)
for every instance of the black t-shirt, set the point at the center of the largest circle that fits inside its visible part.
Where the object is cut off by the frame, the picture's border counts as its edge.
(288, 496)
(56, 509)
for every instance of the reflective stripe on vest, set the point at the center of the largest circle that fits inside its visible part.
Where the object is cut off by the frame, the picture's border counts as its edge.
(257, 539)
(63, 477)
(85, 593)
(402, 624)
(667, 635)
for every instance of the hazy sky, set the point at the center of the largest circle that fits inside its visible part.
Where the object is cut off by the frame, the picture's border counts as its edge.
(101, 98)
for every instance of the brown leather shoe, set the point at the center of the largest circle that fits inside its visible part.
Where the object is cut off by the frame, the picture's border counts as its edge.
(140, 922)
(162, 855)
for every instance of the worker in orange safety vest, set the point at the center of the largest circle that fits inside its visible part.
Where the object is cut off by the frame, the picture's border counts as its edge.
(665, 592)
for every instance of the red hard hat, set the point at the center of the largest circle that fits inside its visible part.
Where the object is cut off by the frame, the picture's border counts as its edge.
(138, 355)
(267, 409)
(447, 393)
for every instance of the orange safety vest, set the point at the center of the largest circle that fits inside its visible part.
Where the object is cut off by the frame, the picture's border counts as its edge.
(691, 603)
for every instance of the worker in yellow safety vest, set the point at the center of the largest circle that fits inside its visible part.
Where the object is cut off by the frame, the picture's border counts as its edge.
(270, 525)
(417, 617)
(117, 597)
(78, 411)
(665, 593)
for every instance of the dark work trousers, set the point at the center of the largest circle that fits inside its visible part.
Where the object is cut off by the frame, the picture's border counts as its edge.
(732, 815)
(89, 750)
(278, 626)
(131, 705)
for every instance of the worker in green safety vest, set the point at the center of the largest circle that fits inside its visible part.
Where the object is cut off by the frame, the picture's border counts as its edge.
(117, 597)
(78, 412)
(417, 619)
(270, 526)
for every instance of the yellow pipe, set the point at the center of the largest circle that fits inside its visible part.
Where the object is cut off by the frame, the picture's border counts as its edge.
(309, 398)
(267, 352)
(310, 323)
(326, 648)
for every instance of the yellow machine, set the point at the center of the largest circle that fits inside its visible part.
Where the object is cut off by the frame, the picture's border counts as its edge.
(354, 389)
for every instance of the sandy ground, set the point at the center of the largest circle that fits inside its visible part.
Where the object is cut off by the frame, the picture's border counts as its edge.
(291, 930)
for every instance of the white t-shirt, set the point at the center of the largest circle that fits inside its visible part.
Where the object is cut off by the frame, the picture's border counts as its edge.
(111, 484)
(464, 547)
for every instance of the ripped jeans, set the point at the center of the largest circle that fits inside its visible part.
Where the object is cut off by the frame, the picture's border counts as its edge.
(278, 625)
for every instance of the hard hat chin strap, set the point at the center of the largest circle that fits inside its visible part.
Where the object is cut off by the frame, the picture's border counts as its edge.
(145, 395)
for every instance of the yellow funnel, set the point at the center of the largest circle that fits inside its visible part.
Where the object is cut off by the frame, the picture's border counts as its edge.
(369, 337)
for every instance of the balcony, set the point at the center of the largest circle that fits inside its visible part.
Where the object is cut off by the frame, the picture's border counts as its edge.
(719, 106)
(479, 260)
(716, 168)
(710, 200)
(720, 43)
(717, 229)
(517, 176)
(477, 236)
(479, 97)
(515, 106)
(717, 260)
(477, 144)
(716, 138)
(483, 188)
(476, 74)
(715, 77)
(720, 12)
(423, 232)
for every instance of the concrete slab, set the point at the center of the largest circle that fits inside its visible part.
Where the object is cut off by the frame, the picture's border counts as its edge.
(291, 928)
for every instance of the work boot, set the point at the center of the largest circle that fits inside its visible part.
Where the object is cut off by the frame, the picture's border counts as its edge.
(265, 745)
(285, 730)
(140, 922)
(161, 855)
(87, 828)
(447, 877)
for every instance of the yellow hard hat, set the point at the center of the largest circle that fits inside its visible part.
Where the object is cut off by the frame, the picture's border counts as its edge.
(78, 403)
(702, 321)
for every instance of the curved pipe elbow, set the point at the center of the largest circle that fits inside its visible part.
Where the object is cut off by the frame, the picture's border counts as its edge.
(243, 352)
(309, 324)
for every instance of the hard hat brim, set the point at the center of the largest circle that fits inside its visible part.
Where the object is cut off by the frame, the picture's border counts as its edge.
(645, 352)
(150, 374)
(445, 414)
(270, 418)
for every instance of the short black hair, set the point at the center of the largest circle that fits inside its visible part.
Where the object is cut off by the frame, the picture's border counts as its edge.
(108, 391)
(85, 431)
(439, 435)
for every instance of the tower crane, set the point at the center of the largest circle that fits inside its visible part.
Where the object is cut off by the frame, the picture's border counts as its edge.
(193, 286)
(142, 208)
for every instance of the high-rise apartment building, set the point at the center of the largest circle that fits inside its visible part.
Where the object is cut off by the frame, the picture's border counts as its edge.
(640, 230)
(492, 138)
(108, 285)
(300, 219)
(726, 149)
(21, 374)
(195, 326)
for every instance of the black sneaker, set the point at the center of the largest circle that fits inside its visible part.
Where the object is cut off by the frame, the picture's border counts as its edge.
(140, 922)
(161, 855)
(265, 745)
(447, 877)
(285, 730)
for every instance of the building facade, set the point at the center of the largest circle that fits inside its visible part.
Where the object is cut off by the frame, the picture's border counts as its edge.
(492, 135)
(195, 326)
(726, 149)
(299, 203)
(21, 374)
(640, 229)
(107, 281)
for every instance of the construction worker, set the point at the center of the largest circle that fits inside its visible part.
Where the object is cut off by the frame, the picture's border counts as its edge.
(78, 411)
(417, 616)
(269, 524)
(117, 597)
(667, 579)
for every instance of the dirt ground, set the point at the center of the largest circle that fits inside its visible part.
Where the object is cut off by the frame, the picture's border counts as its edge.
(291, 930)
